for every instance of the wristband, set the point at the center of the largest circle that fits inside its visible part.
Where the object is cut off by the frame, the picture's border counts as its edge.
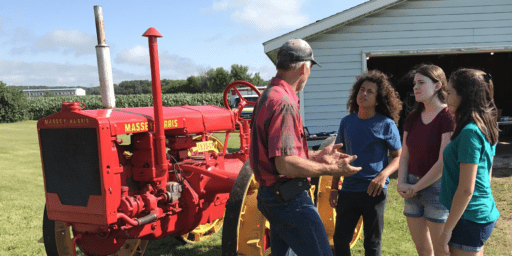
(449, 233)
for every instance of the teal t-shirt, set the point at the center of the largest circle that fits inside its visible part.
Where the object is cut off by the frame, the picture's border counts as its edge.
(470, 146)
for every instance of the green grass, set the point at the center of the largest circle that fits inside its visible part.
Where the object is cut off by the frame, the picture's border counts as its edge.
(22, 205)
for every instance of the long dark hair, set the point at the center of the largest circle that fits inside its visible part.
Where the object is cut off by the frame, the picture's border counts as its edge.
(476, 91)
(436, 74)
(388, 99)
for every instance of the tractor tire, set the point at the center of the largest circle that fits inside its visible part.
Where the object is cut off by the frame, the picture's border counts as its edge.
(246, 230)
(327, 213)
(58, 240)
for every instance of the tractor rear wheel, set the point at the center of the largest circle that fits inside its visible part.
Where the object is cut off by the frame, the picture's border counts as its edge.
(246, 230)
(58, 238)
(326, 211)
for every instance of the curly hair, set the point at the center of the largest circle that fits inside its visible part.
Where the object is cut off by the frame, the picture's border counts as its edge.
(388, 99)
(476, 91)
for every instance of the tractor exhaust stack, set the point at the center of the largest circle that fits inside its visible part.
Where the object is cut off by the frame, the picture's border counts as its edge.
(104, 65)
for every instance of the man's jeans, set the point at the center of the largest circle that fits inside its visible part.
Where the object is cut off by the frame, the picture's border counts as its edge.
(351, 206)
(294, 225)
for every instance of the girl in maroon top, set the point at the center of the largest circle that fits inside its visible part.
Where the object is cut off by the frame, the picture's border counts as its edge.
(427, 132)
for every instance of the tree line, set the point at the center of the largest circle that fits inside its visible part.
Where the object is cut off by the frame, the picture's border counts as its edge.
(211, 81)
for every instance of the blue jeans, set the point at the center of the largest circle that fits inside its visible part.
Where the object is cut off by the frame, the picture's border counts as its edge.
(295, 225)
(351, 206)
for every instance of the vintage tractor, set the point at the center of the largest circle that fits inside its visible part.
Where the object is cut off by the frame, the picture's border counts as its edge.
(169, 177)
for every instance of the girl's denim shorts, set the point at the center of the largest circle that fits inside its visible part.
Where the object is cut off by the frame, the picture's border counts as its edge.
(470, 236)
(426, 202)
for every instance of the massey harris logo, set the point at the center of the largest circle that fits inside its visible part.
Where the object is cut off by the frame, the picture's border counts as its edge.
(145, 126)
(64, 121)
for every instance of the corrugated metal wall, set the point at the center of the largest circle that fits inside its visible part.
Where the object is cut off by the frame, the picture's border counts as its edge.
(412, 25)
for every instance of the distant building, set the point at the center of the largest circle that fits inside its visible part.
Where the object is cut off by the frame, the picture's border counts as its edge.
(56, 92)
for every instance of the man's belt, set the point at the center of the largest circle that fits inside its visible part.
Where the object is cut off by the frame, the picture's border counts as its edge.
(288, 189)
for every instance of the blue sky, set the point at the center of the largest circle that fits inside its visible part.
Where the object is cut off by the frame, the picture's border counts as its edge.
(53, 42)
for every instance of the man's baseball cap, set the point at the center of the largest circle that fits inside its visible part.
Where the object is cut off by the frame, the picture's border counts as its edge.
(295, 50)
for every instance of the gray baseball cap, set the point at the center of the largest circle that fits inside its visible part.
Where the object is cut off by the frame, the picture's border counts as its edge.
(295, 50)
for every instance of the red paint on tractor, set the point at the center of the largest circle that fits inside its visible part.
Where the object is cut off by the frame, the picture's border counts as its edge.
(154, 187)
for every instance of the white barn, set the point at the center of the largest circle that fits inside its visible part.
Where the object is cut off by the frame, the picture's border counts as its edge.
(56, 92)
(395, 35)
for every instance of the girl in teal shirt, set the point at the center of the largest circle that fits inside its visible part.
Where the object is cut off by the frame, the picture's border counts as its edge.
(466, 181)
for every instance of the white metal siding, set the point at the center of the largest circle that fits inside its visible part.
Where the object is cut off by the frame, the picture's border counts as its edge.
(411, 25)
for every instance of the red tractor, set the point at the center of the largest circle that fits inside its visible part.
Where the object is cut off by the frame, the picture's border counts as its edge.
(170, 177)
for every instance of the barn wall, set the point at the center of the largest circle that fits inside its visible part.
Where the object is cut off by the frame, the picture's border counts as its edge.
(412, 25)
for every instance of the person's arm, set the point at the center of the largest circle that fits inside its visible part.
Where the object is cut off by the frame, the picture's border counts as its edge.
(490, 171)
(403, 165)
(436, 171)
(313, 154)
(461, 198)
(333, 197)
(376, 185)
(297, 166)
(336, 179)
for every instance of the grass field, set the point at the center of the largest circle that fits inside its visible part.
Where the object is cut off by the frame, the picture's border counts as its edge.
(22, 203)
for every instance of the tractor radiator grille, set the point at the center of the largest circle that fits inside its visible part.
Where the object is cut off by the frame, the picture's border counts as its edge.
(71, 165)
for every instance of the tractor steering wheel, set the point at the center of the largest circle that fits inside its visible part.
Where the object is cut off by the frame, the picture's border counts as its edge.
(243, 101)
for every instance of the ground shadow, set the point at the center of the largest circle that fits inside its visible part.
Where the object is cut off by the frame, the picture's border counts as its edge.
(171, 246)
(501, 172)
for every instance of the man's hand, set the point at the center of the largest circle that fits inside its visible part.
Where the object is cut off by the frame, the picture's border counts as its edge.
(376, 185)
(330, 154)
(344, 167)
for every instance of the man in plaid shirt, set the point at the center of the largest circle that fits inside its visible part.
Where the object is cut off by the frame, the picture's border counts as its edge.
(281, 162)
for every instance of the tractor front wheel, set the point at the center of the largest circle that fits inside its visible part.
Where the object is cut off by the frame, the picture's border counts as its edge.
(58, 237)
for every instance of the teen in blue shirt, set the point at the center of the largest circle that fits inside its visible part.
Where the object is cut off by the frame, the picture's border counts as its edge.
(369, 132)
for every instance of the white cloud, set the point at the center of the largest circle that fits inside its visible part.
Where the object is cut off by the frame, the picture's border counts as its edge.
(264, 15)
(66, 42)
(74, 41)
(266, 72)
(52, 74)
(138, 55)
(179, 66)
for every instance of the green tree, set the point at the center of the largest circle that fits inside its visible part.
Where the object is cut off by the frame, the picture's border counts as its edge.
(196, 84)
(133, 87)
(256, 80)
(239, 72)
(12, 104)
(217, 79)
(173, 86)
(92, 90)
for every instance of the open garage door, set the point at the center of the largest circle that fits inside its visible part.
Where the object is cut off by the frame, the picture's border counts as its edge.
(498, 64)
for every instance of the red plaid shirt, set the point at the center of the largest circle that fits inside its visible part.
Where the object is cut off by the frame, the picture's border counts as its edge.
(276, 130)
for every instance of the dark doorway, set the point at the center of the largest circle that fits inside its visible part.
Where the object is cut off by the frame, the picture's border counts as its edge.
(498, 64)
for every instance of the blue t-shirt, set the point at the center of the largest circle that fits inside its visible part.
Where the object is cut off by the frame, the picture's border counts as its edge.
(368, 139)
(470, 146)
